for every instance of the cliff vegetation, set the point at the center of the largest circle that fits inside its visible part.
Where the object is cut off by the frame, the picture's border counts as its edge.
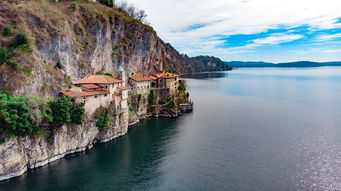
(25, 115)
(45, 45)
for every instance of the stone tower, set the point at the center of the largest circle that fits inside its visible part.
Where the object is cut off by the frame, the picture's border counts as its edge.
(120, 74)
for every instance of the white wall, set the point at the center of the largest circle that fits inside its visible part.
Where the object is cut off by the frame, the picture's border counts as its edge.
(92, 103)
(141, 87)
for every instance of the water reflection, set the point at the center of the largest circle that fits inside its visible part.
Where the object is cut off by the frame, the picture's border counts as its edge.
(118, 165)
(250, 130)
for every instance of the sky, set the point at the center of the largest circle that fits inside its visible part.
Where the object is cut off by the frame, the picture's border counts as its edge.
(249, 30)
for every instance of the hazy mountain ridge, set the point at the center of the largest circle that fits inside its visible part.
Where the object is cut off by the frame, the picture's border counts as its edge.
(241, 64)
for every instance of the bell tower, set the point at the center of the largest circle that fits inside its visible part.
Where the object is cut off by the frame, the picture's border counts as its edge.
(120, 74)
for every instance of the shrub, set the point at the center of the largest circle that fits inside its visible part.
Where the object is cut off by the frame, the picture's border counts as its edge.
(18, 40)
(103, 122)
(60, 108)
(169, 105)
(25, 48)
(132, 108)
(66, 111)
(26, 70)
(12, 64)
(181, 87)
(108, 74)
(15, 116)
(109, 3)
(21, 116)
(151, 97)
(77, 113)
(59, 65)
(7, 30)
(3, 55)
(74, 5)
(50, 139)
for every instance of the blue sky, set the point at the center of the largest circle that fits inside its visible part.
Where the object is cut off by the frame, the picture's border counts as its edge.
(249, 30)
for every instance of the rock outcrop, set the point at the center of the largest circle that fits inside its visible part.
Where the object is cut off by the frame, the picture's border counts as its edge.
(67, 44)
(88, 40)
(18, 154)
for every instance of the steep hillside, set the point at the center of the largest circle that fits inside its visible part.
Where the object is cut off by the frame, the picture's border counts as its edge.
(210, 63)
(68, 42)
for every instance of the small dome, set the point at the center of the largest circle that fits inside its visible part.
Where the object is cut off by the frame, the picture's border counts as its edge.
(119, 69)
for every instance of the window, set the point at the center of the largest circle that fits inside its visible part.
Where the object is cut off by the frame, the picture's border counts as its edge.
(105, 95)
(95, 96)
(106, 87)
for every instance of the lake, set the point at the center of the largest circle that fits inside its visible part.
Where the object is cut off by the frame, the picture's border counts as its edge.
(251, 129)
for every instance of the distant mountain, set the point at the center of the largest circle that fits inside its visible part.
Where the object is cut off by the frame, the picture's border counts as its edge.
(211, 63)
(249, 64)
(241, 64)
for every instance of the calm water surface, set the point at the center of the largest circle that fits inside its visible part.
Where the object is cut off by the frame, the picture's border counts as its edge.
(252, 129)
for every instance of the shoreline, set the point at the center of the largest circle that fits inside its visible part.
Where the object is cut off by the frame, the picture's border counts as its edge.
(90, 145)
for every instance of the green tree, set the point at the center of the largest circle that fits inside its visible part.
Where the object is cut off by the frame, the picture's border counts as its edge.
(59, 65)
(74, 5)
(60, 109)
(12, 64)
(109, 3)
(77, 113)
(7, 30)
(151, 97)
(18, 40)
(15, 116)
(103, 122)
(3, 55)
(108, 74)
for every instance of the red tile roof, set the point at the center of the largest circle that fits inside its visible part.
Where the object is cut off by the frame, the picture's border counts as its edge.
(122, 88)
(153, 77)
(140, 77)
(166, 75)
(86, 93)
(98, 79)
(91, 86)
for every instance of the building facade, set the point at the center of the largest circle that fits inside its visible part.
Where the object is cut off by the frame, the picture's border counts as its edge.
(100, 91)
(140, 83)
(166, 80)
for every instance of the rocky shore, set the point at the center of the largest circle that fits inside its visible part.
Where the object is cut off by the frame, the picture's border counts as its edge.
(19, 154)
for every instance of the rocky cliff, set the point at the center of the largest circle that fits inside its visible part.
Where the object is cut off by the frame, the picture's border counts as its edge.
(67, 43)
(18, 154)
(88, 39)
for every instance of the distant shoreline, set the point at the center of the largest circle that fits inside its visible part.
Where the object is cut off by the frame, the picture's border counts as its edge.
(299, 64)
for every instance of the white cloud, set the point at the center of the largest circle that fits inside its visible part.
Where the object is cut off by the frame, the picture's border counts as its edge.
(275, 39)
(328, 37)
(230, 17)
(333, 51)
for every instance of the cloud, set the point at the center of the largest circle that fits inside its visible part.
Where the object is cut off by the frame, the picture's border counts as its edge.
(333, 51)
(275, 39)
(328, 37)
(192, 25)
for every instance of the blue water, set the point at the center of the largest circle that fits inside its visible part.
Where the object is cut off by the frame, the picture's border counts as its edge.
(251, 129)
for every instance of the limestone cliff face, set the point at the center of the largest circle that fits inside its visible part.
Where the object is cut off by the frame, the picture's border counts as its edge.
(18, 154)
(87, 40)
(67, 45)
